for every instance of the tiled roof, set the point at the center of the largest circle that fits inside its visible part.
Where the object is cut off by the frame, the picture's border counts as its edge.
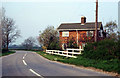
(76, 26)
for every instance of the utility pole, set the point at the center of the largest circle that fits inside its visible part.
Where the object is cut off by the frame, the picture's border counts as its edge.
(96, 21)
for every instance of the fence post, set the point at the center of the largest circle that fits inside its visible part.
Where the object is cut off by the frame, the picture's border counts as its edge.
(62, 52)
(66, 52)
(57, 52)
(72, 52)
(51, 52)
(80, 49)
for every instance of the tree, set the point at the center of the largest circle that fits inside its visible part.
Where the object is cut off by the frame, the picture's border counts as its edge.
(0, 30)
(110, 28)
(9, 31)
(29, 43)
(49, 38)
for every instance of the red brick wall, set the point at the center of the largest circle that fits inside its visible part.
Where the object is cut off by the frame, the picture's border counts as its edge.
(82, 37)
(65, 39)
(72, 34)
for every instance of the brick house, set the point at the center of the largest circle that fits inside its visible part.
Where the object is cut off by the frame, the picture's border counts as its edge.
(80, 32)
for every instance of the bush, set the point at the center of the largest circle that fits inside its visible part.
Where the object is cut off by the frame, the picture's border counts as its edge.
(106, 49)
(4, 50)
(53, 46)
(44, 48)
(118, 49)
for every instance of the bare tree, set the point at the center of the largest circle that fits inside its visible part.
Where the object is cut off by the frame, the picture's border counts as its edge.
(29, 43)
(111, 29)
(9, 31)
(0, 29)
(110, 26)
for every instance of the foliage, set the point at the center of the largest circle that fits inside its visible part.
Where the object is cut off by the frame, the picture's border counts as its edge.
(29, 43)
(86, 38)
(71, 43)
(49, 38)
(110, 29)
(4, 52)
(54, 45)
(50, 57)
(44, 48)
(103, 50)
(111, 26)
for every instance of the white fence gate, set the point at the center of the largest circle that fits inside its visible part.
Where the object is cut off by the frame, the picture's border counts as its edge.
(70, 52)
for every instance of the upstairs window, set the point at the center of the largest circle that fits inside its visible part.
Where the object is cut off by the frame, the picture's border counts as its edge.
(65, 34)
(89, 33)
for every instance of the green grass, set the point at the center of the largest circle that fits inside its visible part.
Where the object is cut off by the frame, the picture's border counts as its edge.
(6, 53)
(50, 57)
(106, 65)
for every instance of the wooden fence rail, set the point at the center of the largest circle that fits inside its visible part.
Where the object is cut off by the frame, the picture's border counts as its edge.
(68, 53)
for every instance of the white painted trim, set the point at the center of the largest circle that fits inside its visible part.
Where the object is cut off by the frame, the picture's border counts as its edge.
(76, 29)
(77, 37)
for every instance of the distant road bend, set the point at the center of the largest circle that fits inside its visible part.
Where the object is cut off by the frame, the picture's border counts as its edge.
(26, 63)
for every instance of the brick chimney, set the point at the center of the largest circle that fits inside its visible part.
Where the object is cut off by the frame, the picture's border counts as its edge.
(83, 20)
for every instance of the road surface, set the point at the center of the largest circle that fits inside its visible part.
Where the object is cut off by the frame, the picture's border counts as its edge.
(26, 63)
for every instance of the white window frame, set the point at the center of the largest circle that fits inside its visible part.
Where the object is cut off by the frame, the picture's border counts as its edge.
(65, 34)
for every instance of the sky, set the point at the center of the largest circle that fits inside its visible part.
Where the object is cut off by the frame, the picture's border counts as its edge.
(31, 17)
(119, 15)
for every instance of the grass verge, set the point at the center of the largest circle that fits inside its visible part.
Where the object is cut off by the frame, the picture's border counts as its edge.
(106, 65)
(6, 53)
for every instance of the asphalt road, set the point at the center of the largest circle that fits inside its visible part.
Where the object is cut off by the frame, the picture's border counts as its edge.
(26, 63)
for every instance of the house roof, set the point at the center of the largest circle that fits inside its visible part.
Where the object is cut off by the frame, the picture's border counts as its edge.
(79, 26)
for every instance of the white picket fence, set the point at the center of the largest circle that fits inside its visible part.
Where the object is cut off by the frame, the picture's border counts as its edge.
(70, 52)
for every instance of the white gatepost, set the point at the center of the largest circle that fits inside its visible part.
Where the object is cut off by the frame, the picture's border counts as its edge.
(80, 47)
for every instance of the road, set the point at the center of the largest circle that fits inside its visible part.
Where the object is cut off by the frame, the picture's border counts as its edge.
(26, 63)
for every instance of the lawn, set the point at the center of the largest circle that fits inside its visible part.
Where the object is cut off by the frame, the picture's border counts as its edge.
(6, 53)
(106, 65)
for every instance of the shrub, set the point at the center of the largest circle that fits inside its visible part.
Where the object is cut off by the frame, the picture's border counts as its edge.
(4, 50)
(117, 53)
(54, 46)
(106, 49)
(44, 48)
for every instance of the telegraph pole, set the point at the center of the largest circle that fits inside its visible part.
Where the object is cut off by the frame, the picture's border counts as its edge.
(96, 21)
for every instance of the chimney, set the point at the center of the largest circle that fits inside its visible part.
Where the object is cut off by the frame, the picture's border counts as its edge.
(83, 20)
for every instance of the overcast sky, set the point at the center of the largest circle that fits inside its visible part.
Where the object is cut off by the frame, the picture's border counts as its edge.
(32, 17)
